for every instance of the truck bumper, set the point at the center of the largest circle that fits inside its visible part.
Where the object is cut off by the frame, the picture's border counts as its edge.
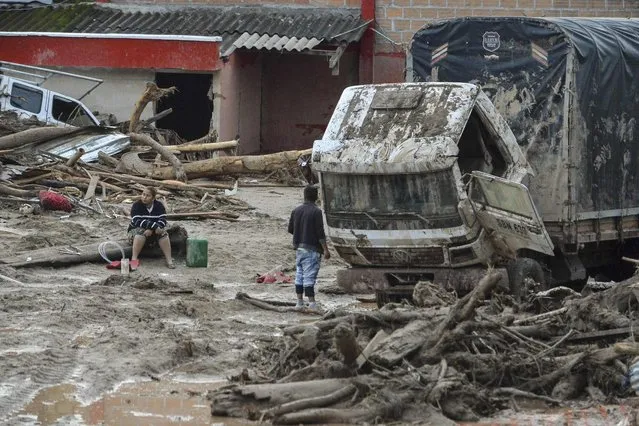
(372, 280)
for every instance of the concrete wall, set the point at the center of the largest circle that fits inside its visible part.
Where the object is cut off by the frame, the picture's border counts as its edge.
(298, 97)
(237, 101)
(117, 95)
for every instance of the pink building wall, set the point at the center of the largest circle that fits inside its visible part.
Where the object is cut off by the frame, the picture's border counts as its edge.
(299, 95)
(279, 101)
(240, 93)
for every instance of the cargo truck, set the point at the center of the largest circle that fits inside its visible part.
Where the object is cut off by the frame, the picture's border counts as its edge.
(515, 147)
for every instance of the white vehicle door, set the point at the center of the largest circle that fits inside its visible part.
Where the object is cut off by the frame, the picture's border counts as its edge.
(506, 208)
(26, 99)
(68, 111)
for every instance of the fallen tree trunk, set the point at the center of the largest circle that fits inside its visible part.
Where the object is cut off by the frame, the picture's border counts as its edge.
(168, 184)
(35, 135)
(235, 165)
(178, 169)
(7, 190)
(369, 319)
(51, 256)
(241, 401)
(151, 93)
(314, 402)
(363, 413)
(231, 217)
(203, 147)
(263, 304)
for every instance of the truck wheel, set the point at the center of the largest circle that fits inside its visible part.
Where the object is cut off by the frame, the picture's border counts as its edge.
(522, 274)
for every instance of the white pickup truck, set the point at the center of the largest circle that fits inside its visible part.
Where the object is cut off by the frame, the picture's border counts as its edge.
(30, 100)
(26, 97)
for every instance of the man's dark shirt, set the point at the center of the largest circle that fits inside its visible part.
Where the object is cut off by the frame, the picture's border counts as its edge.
(307, 226)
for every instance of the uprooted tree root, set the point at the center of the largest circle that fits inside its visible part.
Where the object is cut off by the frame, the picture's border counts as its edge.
(464, 361)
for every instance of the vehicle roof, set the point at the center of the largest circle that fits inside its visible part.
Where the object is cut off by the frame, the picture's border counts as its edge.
(391, 123)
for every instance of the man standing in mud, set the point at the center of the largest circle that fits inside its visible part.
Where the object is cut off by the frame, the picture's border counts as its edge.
(309, 240)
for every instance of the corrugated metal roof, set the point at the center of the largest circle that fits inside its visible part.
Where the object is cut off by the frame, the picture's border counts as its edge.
(258, 27)
(22, 2)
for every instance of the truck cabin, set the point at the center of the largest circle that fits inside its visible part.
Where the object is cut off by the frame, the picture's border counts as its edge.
(390, 164)
(47, 106)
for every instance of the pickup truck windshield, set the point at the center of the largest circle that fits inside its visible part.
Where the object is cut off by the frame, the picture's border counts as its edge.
(391, 202)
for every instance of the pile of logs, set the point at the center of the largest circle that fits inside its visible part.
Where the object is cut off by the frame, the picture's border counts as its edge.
(149, 162)
(463, 359)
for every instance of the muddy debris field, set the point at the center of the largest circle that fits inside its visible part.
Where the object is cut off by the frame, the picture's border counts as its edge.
(225, 344)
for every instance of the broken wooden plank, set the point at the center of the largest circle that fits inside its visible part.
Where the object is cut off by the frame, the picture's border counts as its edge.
(370, 348)
(93, 183)
(402, 343)
(75, 157)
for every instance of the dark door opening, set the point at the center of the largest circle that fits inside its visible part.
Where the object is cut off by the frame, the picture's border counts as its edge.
(192, 108)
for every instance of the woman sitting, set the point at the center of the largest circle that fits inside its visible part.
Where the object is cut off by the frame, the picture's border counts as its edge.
(148, 223)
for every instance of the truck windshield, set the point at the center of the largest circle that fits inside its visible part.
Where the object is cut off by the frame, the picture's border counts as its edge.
(391, 202)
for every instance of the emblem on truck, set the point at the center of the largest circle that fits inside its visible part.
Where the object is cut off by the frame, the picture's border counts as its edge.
(490, 41)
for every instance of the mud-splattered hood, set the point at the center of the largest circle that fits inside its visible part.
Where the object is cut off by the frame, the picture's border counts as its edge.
(395, 128)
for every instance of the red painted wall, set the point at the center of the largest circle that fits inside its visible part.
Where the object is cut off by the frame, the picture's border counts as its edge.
(111, 53)
(298, 97)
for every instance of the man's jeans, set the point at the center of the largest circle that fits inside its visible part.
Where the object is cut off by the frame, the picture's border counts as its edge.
(308, 264)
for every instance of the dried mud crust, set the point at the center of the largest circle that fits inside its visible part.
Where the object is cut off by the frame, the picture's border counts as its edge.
(90, 326)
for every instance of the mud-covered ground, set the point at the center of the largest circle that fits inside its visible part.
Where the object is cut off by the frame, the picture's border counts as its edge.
(73, 325)
(85, 331)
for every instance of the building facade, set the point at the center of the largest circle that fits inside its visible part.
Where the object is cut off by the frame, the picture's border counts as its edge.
(266, 72)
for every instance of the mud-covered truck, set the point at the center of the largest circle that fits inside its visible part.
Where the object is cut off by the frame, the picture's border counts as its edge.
(515, 147)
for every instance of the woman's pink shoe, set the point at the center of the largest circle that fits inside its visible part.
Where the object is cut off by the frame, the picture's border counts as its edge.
(134, 264)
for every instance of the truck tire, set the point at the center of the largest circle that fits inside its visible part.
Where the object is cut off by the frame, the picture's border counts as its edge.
(518, 272)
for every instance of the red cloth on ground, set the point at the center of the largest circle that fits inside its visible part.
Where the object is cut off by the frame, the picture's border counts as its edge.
(50, 200)
(273, 277)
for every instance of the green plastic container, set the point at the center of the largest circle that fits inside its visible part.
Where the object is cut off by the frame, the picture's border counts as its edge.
(197, 253)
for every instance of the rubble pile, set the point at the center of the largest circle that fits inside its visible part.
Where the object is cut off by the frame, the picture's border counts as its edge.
(464, 357)
(96, 166)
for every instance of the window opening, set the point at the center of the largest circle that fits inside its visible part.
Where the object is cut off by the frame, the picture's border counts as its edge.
(478, 150)
(26, 98)
(70, 112)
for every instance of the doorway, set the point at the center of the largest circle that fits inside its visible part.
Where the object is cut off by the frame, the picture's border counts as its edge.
(192, 107)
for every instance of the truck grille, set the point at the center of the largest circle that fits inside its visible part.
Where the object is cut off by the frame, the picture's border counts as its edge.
(415, 257)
